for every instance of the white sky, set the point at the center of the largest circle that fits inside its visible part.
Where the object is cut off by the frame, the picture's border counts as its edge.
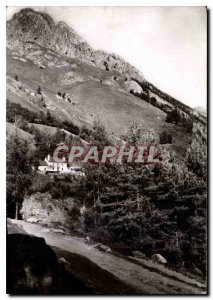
(168, 44)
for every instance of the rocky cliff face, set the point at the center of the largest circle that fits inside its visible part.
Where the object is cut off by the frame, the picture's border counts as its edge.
(28, 27)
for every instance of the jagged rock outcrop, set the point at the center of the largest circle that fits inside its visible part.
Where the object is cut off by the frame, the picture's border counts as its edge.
(133, 86)
(34, 32)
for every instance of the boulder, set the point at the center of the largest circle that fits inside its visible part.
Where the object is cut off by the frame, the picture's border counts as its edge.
(158, 258)
(34, 269)
(32, 220)
(134, 86)
(87, 240)
(62, 260)
(103, 248)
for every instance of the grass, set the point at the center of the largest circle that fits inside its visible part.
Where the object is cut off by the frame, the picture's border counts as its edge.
(116, 108)
(99, 281)
(12, 130)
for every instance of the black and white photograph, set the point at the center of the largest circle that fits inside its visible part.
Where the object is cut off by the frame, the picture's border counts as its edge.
(106, 150)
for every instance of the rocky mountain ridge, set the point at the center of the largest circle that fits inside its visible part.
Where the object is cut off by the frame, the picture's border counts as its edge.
(79, 84)
(28, 26)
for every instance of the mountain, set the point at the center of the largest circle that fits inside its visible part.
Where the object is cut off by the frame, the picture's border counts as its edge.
(57, 86)
(28, 27)
(202, 110)
(78, 83)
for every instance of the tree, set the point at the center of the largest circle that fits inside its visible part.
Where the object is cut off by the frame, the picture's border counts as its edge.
(169, 138)
(21, 123)
(153, 101)
(173, 116)
(165, 138)
(49, 119)
(18, 172)
(136, 135)
(150, 208)
(39, 90)
(99, 134)
(196, 157)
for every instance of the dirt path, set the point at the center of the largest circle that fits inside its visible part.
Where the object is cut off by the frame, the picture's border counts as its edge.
(144, 280)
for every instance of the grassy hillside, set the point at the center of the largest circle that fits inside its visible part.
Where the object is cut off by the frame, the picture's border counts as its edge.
(93, 92)
(12, 130)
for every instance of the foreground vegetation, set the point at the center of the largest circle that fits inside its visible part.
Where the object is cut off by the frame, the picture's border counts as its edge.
(157, 208)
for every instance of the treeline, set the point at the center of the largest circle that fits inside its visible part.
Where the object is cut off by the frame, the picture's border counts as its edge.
(151, 208)
(173, 115)
(147, 87)
(158, 208)
(176, 117)
(15, 110)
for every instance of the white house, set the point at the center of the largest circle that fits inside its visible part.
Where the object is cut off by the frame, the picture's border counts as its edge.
(50, 165)
(43, 166)
(55, 166)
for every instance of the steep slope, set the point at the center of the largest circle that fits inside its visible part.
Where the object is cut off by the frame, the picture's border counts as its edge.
(142, 280)
(30, 26)
(23, 135)
(91, 96)
(54, 57)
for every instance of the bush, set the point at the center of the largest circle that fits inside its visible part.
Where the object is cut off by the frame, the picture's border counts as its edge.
(74, 213)
(173, 117)
(144, 96)
(153, 101)
(39, 90)
(187, 124)
(89, 219)
(165, 138)
(159, 244)
(172, 255)
(169, 138)
(147, 245)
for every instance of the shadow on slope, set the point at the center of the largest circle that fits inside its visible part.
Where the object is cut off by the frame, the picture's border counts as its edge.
(33, 269)
(100, 281)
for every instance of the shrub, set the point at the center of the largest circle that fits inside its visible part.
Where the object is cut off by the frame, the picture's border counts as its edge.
(173, 117)
(165, 138)
(169, 138)
(147, 244)
(74, 213)
(153, 101)
(172, 254)
(39, 90)
(89, 219)
(187, 124)
(144, 96)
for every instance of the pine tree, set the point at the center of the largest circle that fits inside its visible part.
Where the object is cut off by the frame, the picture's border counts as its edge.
(19, 169)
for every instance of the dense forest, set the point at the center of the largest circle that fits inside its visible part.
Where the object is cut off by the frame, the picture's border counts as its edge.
(151, 208)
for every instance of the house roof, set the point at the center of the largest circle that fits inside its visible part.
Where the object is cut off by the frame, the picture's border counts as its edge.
(42, 163)
(49, 159)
